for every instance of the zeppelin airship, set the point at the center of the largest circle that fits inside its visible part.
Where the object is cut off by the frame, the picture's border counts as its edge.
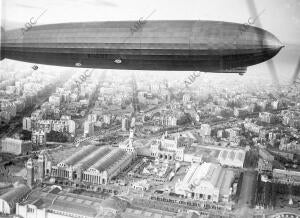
(208, 46)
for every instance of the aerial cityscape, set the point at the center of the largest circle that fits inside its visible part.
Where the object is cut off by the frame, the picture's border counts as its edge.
(95, 125)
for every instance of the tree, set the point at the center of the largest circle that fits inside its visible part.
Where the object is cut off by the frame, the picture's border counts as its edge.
(185, 119)
(25, 135)
(53, 136)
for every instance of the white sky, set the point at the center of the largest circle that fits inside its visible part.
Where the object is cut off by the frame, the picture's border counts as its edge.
(281, 17)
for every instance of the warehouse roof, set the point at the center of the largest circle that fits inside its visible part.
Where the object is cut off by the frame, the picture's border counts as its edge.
(70, 161)
(210, 173)
(108, 160)
(92, 158)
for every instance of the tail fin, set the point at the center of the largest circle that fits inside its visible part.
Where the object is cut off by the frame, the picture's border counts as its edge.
(1, 44)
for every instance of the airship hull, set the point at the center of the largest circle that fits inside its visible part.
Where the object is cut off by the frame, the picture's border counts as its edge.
(156, 45)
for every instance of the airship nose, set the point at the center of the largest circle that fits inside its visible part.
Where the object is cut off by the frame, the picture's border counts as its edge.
(270, 41)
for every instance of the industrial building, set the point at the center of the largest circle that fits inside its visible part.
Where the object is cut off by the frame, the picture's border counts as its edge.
(107, 167)
(93, 164)
(234, 158)
(207, 181)
(50, 204)
(59, 205)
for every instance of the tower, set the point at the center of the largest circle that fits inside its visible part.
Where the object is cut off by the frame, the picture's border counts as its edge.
(125, 124)
(88, 128)
(135, 101)
(131, 134)
(30, 173)
(41, 166)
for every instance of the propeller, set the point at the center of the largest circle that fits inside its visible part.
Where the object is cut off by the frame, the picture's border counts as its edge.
(273, 72)
(296, 78)
(255, 19)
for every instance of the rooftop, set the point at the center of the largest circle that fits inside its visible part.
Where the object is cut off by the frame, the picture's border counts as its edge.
(228, 154)
(115, 203)
(90, 159)
(111, 157)
(79, 154)
(214, 174)
(65, 202)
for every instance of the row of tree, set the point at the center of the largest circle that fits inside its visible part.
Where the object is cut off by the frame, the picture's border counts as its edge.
(267, 192)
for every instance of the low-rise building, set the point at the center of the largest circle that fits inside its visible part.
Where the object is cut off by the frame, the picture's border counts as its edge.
(141, 185)
(27, 124)
(37, 115)
(252, 127)
(16, 146)
(267, 117)
(264, 165)
(265, 155)
(286, 176)
(44, 125)
(55, 100)
(240, 112)
(205, 130)
(39, 138)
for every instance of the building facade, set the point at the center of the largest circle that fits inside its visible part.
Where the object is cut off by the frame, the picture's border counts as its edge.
(39, 138)
(93, 165)
(168, 148)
